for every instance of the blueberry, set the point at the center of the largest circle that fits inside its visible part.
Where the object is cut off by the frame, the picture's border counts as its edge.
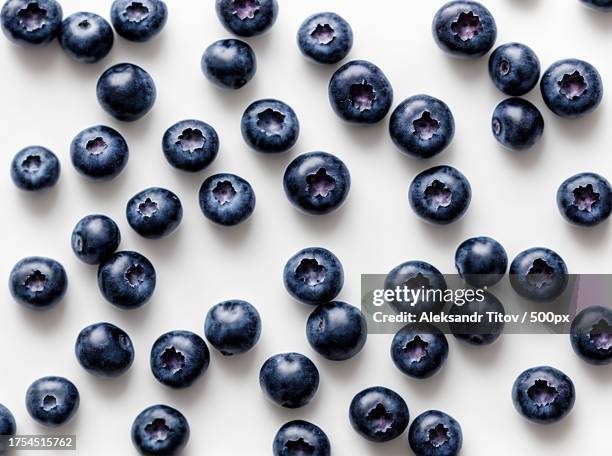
(538, 274)
(313, 276)
(325, 37)
(289, 379)
(604, 5)
(104, 350)
(517, 124)
(571, 88)
(481, 261)
(378, 414)
(440, 195)
(232, 327)
(247, 17)
(8, 428)
(95, 238)
(419, 350)
(138, 21)
(190, 145)
(514, 69)
(434, 433)
(38, 282)
(126, 279)
(99, 153)
(86, 37)
(52, 401)
(160, 430)
(591, 335)
(35, 168)
(422, 126)
(464, 28)
(317, 182)
(229, 63)
(585, 199)
(154, 213)
(413, 275)
(126, 92)
(300, 438)
(31, 22)
(226, 199)
(543, 394)
(270, 126)
(336, 330)
(487, 331)
(179, 358)
(359, 92)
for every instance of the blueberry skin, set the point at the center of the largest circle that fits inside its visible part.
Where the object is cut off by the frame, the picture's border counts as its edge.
(7, 427)
(31, 22)
(104, 350)
(538, 266)
(336, 330)
(483, 333)
(190, 145)
(138, 21)
(440, 195)
(179, 358)
(126, 92)
(38, 282)
(359, 92)
(247, 18)
(298, 437)
(86, 37)
(585, 199)
(378, 414)
(590, 335)
(52, 401)
(127, 279)
(270, 126)
(423, 430)
(154, 213)
(453, 29)
(514, 69)
(314, 276)
(229, 63)
(317, 183)
(289, 379)
(95, 238)
(99, 153)
(517, 124)
(35, 168)
(481, 261)
(422, 126)
(571, 88)
(604, 5)
(415, 274)
(543, 394)
(226, 199)
(419, 350)
(232, 327)
(159, 421)
(325, 37)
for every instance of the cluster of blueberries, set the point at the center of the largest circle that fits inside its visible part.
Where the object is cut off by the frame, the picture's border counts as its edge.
(316, 183)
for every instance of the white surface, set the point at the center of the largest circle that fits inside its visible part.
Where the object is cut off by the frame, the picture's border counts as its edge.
(47, 99)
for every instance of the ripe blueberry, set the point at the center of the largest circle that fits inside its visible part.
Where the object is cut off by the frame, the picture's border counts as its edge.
(517, 124)
(229, 63)
(52, 401)
(232, 327)
(86, 37)
(247, 17)
(95, 238)
(99, 152)
(269, 126)
(378, 414)
(160, 430)
(226, 199)
(31, 22)
(299, 437)
(289, 379)
(35, 168)
(514, 69)
(591, 335)
(422, 126)
(416, 275)
(317, 182)
(154, 213)
(325, 37)
(313, 275)
(585, 199)
(434, 433)
(138, 20)
(538, 274)
(190, 145)
(38, 282)
(419, 350)
(481, 261)
(486, 331)
(104, 349)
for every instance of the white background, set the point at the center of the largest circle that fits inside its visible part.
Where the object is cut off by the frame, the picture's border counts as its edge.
(46, 99)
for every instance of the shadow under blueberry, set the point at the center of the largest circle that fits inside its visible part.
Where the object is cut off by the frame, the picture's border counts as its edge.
(575, 129)
(44, 320)
(40, 60)
(42, 202)
(369, 137)
(113, 388)
(589, 236)
(324, 224)
(550, 433)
